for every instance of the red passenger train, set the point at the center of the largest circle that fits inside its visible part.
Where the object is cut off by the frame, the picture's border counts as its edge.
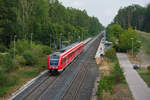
(58, 61)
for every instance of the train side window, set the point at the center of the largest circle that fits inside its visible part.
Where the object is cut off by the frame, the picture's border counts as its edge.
(62, 61)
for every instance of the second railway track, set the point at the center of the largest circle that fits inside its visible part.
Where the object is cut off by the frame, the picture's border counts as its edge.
(72, 91)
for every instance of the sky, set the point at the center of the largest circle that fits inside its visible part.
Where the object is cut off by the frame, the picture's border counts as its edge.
(104, 10)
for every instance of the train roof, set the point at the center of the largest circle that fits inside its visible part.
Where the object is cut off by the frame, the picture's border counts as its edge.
(59, 52)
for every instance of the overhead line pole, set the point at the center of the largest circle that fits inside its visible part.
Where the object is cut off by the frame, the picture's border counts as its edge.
(31, 39)
(14, 46)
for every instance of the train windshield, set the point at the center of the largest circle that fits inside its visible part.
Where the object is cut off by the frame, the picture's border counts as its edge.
(54, 62)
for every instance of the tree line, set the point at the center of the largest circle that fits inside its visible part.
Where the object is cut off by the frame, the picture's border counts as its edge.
(134, 16)
(123, 40)
(45, 21)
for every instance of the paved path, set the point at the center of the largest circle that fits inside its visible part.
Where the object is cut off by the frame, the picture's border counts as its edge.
(138, 87)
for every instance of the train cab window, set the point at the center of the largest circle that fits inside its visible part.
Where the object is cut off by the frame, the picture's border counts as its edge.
(54, 62)
(54, 59)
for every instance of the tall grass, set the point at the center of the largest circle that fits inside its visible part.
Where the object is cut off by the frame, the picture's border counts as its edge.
(145, 38)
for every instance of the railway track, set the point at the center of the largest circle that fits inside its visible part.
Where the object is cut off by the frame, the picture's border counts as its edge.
(72, 91)
(77, 77)
(48, 82)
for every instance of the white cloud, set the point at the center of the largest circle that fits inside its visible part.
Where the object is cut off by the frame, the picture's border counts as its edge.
(75, 4)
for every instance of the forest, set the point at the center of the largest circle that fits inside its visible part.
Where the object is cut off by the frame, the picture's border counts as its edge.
(134, 16)
(47, 22)
(30, 30)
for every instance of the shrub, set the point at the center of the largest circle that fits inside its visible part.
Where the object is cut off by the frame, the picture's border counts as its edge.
(21, 46)
(46, 50)
(41, 50)
(111, 54)
(3, 78)
(148, 68)
(37, 50)
(13, 80)
(6, 82)
(117, 73)
(106, 84)
(8, 63)
(3, 48)
(21, 60)
(44, 63)
(30, 58)
(125, 43)
(113, 33)
(3, 91)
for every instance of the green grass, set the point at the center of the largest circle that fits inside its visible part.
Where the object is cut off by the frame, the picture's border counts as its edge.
(145, 38)
(27, 74)
(145, 75)
(8, 86)
(4, 90)
(16, 79)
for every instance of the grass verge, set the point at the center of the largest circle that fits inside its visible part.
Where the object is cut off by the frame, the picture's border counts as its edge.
(143, 72)
(145, 38)
(19, 77)
(28, 63)
(113, 85)
(145, 75)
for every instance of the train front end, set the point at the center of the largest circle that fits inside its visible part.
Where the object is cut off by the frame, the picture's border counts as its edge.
(53, 63)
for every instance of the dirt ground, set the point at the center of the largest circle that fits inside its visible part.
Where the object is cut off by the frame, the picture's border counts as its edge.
(104, 66)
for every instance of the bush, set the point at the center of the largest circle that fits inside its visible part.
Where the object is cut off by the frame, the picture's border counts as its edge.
(6, 83)
(111, 54)
(37, 50)
(113, 32)
(46, 50)
(8, 64)
(3, 78)
(44, 63)
(106, 84)
(148, 68)
(21, 46)
(30, 58)
(41, 50)
(125, 43)
(117, 73)
(21, 60)
(3, 48)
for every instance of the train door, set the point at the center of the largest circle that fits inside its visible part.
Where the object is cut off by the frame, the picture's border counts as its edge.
(67, 59)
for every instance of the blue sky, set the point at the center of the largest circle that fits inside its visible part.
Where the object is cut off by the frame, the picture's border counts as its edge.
(105, 10)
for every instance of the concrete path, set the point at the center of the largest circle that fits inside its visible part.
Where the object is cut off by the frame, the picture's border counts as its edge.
(138, 87)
